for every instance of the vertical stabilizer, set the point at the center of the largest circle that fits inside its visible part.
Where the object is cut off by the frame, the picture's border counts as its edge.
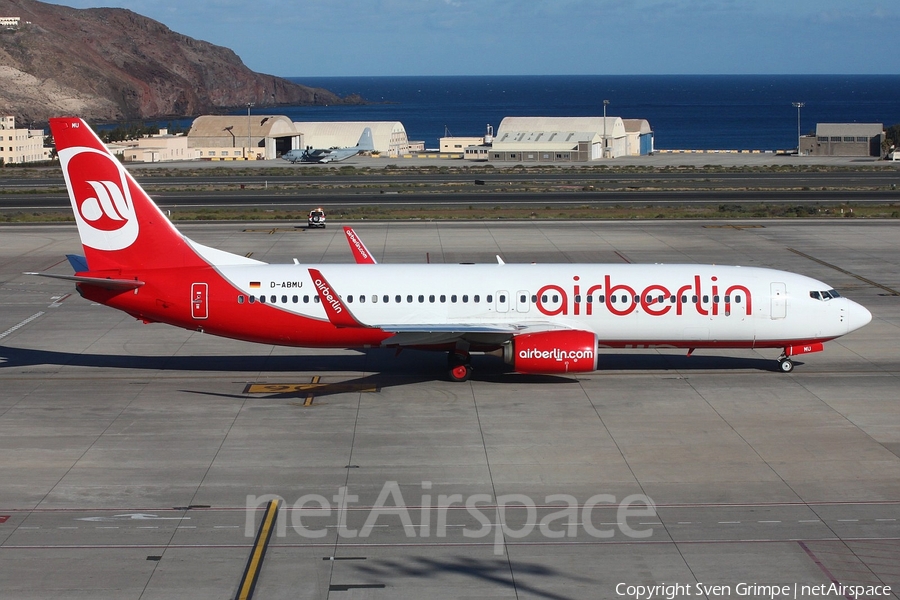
(119, 225)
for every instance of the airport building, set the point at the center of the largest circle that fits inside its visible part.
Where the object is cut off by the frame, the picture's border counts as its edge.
(568, 139)
(21, 145)
(389, 137)
(237, 137)
(844, 139)
(160, 147)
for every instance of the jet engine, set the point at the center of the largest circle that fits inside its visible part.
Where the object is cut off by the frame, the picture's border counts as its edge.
(550, 352)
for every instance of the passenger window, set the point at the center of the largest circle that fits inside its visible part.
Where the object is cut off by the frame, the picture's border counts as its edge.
(262, 299)
(465, 298)
(625, 299)
(612, 299)
(409, 299)
(431, 298)
(590, 299)
(523, 299)
(555, 298)
(737, 299)
(316, 299)
(362, 298)
(453, 298)
(502, 298)
(295, 299)
(672, 299)
(716, 299)
(694, 299)
(727, 299)
(252, 299)
(684, 299)
(490, 298)
(443, 298)
(544, 298)
(350, 299)
(387, 298)
(705, 299)
(661, 299)
(240, 299)
(284, 299)
(305, 299)
(421, 298)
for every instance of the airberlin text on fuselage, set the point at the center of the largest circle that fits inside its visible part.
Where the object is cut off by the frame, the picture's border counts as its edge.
(327, 296)
(628, 298)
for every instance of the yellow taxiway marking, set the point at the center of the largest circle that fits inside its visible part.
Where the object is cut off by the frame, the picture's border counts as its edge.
(330, 388)
(254, 564)
(310, 390)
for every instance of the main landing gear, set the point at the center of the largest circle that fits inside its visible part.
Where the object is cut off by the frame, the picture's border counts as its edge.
(460, 365)
(785, 364)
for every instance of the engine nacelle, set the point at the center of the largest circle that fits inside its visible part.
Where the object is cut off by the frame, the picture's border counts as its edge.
(564, 351)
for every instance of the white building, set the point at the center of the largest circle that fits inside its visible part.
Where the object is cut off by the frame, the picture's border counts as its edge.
(559, 139)
(160, 148)
(19, 146)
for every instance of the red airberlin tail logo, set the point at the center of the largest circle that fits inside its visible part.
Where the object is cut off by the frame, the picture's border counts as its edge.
(100, 197)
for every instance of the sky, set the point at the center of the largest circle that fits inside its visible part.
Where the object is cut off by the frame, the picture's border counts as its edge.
(323, 38)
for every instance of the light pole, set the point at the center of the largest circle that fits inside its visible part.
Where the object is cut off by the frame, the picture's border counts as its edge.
(798, 106)
(249, 106)
(605, 104)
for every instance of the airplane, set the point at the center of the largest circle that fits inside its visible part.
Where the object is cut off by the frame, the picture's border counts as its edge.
(546, 319)
(327, 155)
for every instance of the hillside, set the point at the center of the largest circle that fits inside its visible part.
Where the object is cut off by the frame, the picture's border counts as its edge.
(114, 64)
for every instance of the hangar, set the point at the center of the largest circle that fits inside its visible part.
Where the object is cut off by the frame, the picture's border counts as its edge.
(239, 137)
(559, 139)
(844, 139)
(389, 137)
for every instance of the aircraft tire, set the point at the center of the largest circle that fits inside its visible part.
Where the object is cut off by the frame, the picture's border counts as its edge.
(786, 365)
(461, 373)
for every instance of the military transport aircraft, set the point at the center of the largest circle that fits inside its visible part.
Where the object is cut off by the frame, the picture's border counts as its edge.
(540, 318)
(327, 155)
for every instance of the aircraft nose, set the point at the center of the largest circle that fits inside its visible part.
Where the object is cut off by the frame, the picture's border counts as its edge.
(857, 316)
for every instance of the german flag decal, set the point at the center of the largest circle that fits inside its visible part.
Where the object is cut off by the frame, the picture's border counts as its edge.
(254, 285)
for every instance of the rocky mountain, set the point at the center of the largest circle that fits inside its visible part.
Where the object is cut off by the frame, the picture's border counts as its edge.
(114, 64)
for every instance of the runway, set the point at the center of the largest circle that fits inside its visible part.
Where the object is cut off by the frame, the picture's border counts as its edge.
(137, 459)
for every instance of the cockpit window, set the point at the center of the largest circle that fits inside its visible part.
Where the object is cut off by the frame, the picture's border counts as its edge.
(824, 295)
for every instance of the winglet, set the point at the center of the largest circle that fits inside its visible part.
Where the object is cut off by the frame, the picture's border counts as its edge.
(338, 314)
(361, 254)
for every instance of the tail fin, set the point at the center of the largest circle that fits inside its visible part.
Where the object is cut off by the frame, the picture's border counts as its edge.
(366, 143)
(119, 225)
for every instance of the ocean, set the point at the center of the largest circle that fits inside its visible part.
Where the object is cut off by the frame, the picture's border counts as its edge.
(686, 112)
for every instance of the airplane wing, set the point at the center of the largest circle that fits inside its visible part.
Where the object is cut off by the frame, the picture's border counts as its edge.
(360, 253)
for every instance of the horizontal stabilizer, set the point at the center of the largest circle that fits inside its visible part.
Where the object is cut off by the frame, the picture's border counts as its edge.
(78, 262)
(102, 282)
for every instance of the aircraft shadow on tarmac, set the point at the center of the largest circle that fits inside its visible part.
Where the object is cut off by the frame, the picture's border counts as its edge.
(387, 369)
(493, 571)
